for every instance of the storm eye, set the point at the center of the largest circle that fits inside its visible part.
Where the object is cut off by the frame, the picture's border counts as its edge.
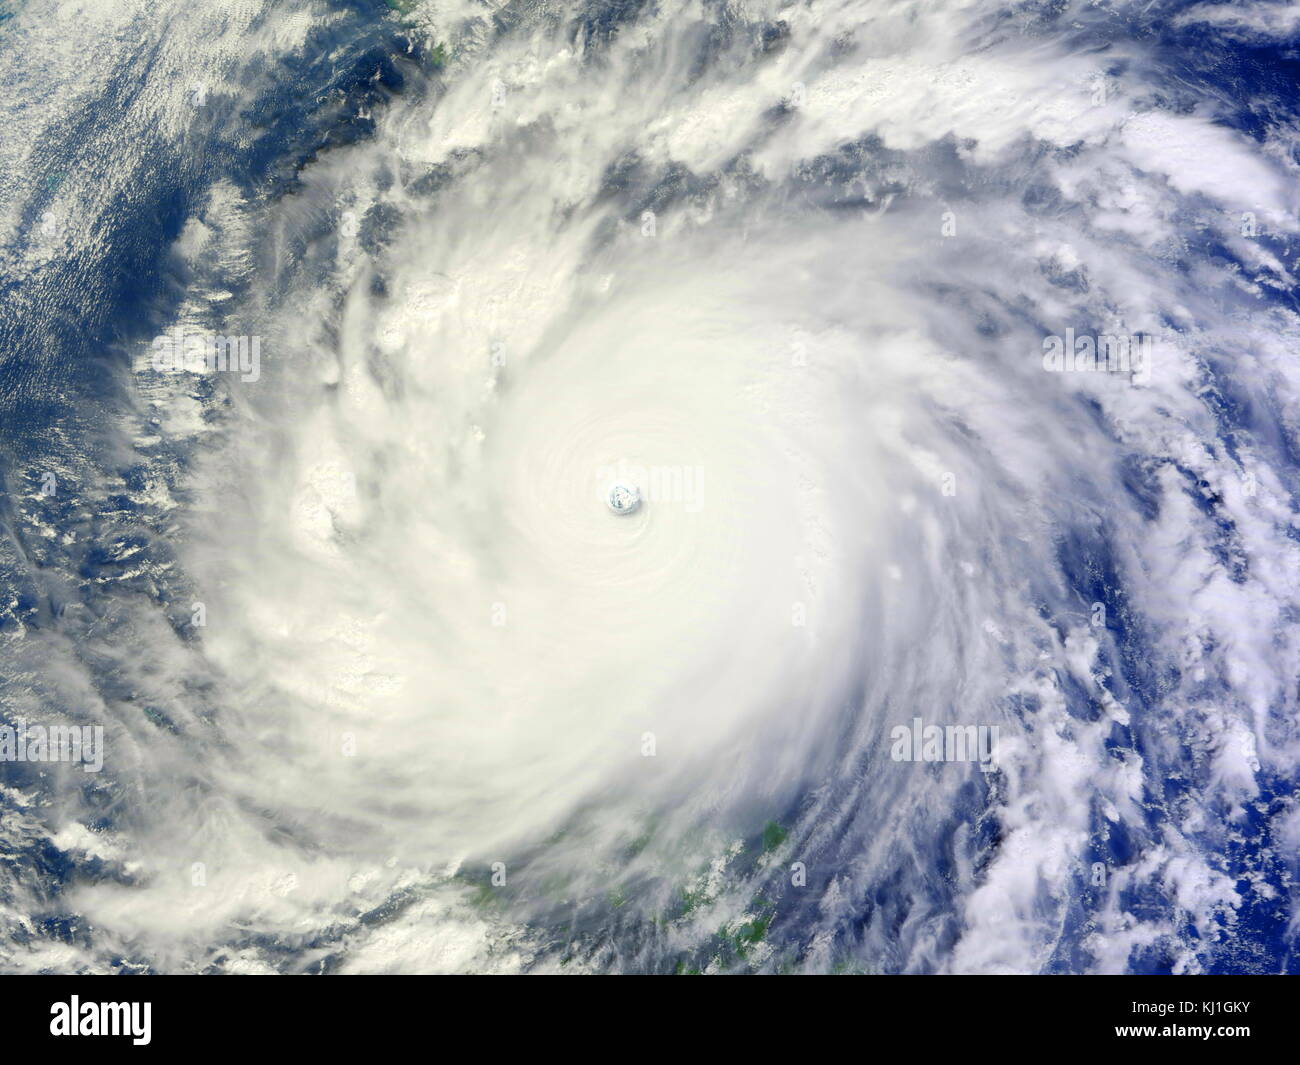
(624, 498)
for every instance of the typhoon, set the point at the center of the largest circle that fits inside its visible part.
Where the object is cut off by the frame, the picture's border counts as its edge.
(650, 486)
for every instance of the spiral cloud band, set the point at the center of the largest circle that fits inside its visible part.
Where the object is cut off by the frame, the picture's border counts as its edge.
(757, 486)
